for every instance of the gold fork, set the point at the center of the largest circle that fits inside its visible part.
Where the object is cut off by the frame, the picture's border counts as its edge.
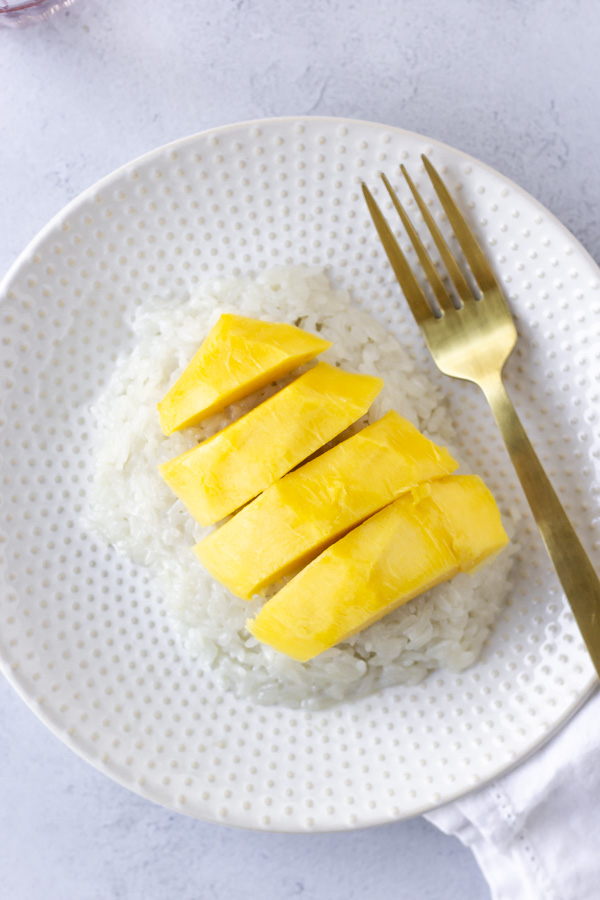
(473, 342)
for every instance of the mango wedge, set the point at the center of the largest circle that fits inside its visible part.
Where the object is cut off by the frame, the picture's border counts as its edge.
(423, 538)
(304, 512)
(226, 471)
(238, 356)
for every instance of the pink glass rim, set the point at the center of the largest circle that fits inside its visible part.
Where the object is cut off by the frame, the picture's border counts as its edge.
(20, 7)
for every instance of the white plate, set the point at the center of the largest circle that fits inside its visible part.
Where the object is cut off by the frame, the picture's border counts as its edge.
(84, 636)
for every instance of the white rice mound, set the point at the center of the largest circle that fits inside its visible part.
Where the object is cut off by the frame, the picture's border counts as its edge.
(132, 508)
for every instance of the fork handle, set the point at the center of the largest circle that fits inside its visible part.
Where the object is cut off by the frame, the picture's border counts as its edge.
(573, 566)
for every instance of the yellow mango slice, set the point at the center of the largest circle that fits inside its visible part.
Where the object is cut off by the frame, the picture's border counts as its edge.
(226, 471)
(308, 509)
(423, 538)
(238, 356)
(465, 508)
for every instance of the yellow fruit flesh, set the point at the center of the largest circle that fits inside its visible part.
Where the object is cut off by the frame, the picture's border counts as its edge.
(420, 540)
(298, 516)
(231, 468)
(466, 509)
(238, 356)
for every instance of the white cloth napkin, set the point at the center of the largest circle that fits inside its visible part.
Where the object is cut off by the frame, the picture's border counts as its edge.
(536, 831)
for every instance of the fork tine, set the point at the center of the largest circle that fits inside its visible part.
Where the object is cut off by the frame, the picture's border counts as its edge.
(478, 264)
(458, 279)
(441, 294)
(403, 272)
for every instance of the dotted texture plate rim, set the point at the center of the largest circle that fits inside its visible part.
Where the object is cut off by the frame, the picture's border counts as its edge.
(85, 639)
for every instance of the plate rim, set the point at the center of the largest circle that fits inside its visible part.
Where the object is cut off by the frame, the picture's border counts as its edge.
(24, 257)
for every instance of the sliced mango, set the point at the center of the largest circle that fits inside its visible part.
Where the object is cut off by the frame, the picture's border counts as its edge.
(302, 513)
(223, 473)
(423, 538)
(238, 356)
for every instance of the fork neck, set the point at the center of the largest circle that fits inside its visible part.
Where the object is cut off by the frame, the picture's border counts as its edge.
(492, 386)
(505, 413)
(507, 419)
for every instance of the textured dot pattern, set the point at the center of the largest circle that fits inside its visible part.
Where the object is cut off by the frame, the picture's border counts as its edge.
(85, 638)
